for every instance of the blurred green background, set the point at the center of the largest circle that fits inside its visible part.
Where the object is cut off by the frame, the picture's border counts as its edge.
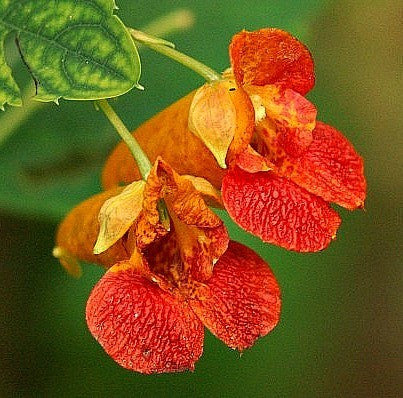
(341, 329)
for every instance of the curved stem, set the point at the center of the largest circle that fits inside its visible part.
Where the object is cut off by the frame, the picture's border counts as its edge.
(161, 46)
(139, 155)
(141, 158)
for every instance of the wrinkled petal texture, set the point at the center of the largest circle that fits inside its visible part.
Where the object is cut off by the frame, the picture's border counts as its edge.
(167, 135)
(78, 232)
(271, 56)
(330, 168)
(142, 327)
(244, 301)
(279, 211)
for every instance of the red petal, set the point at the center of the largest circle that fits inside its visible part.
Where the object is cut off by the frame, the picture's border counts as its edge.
(142, 327)
(244, 301)
(330, 168)
(279, 211)
(269, 56)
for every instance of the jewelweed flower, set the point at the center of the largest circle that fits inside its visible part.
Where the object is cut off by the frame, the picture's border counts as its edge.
(280, 167)
(167, 280)
(310, 163)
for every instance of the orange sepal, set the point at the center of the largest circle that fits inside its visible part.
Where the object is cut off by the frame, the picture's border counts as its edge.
(78, 232)
(271, 56)
(213, 117)
(244, 301)
(167, 135)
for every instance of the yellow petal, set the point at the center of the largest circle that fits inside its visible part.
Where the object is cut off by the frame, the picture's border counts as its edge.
(211, 195)
(117, 215)
(213, 118)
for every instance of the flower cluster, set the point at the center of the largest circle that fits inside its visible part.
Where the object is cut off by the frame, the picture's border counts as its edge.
(167, 280)
(254, 135)
(251, 137)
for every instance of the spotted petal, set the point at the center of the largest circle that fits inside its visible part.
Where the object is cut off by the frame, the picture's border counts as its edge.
(279, 211)
(142, 327)
(200, 234)
(293, 116)
(330, 168)
(244, 301)
(271, 56)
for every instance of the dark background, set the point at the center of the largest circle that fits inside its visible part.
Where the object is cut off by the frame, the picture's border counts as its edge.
(341, 330)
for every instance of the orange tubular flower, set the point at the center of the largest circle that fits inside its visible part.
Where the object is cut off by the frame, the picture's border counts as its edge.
(284, 167)
(170, 277)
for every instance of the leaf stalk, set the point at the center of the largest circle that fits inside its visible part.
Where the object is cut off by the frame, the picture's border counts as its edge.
(166, 49)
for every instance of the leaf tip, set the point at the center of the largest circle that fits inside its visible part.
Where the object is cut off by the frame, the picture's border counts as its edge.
(139, 87)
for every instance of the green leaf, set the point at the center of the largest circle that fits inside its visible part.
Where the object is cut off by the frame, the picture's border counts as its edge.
(74, 49)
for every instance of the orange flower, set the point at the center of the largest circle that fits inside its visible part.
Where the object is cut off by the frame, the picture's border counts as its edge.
(169, 278)
(284, 167)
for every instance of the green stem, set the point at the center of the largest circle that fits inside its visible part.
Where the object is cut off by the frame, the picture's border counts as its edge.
(160, 46)
(141, 158)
